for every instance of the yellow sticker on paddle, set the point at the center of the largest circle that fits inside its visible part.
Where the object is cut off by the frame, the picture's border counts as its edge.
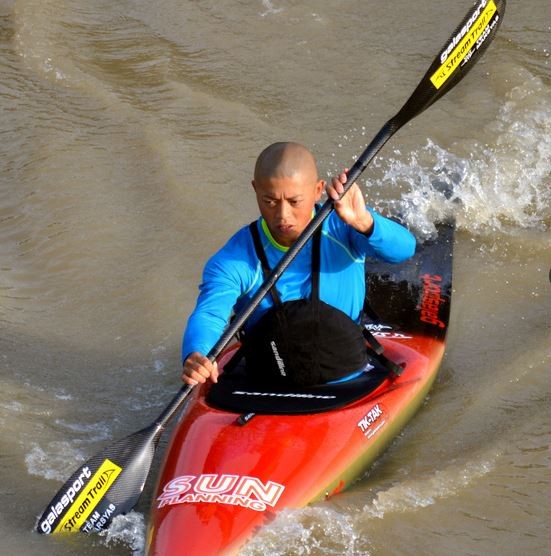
(471, 35)
(89, 498)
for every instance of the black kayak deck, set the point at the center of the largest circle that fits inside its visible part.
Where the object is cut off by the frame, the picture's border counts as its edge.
(234, 392)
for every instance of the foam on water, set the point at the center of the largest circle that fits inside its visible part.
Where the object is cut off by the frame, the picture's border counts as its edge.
(498, 186)
(270, 9)
(304, 532)
(57, 459)
(415, 493)
(54, 462)
(91, 432)
(128, 530)
(502, 185)
(323, 528)
(62, 395)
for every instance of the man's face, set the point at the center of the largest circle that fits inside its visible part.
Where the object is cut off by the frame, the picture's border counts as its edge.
(286, 203)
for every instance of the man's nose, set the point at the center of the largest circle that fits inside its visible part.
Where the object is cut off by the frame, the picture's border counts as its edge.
(283, 210)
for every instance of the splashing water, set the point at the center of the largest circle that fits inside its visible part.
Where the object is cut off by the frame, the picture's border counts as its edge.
(322, 528)
(306, 532)
(420, 493)
(499, 187)
(128, 530)
(51, 463)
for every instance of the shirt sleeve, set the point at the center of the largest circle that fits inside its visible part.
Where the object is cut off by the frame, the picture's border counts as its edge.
(388, 241)
(227, 275)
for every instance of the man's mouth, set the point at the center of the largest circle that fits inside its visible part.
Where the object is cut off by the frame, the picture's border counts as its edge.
(285, 228)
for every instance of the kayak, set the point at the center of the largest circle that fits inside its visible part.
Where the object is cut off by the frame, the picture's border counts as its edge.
(239, 453)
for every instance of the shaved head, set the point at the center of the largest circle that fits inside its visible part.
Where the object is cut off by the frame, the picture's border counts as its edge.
(287, 189)
(285, 160)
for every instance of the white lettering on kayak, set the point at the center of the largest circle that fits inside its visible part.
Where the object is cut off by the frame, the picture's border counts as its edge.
(248, 492)
(372, 421)
(384, 331)
(283, 395)
(372, 327)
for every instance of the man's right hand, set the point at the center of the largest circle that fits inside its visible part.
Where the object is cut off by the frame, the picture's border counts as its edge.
(198, 368)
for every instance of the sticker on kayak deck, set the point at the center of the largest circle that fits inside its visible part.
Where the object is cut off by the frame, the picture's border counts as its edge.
(88, 499)
(248, 492)
(468, 39)
(385, 331)
(431, 300)
(373, 421)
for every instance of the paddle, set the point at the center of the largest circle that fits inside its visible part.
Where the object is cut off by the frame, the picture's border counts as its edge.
(111, 482)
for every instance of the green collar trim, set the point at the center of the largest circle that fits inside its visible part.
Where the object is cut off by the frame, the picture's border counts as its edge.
(271, 237)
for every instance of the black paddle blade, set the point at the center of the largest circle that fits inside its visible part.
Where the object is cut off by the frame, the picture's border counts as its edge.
(458, 55)
(107, 485)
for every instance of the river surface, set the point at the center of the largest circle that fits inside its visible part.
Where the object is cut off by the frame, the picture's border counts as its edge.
(128, 134)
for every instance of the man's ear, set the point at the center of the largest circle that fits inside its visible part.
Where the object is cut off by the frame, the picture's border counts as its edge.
(253, 184)
(320, 187)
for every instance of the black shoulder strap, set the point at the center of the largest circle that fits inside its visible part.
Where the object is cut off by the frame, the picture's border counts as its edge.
(316, 258)
(261, 254)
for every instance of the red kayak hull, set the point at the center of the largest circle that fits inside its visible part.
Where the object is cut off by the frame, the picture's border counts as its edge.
(224, 477)
(221, 481)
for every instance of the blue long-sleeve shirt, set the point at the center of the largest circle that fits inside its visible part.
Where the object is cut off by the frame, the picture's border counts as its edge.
(232, 276)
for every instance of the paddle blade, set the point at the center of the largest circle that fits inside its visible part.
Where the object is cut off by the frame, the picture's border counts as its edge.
(458, 55)
(107, 485)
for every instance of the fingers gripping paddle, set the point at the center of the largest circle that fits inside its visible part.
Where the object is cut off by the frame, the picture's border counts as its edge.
(111, 482)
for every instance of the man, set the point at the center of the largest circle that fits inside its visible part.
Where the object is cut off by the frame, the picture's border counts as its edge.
(287, 188)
